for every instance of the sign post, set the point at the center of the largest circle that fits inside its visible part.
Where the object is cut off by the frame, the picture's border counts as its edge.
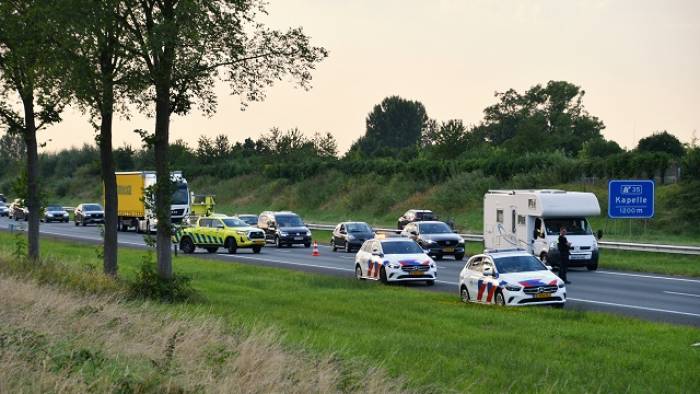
(631, 199)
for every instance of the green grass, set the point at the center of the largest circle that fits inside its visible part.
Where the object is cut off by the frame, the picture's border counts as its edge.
(431, 339)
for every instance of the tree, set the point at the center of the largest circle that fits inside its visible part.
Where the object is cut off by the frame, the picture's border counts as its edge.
(394, 124)
(599, 148)
(185, 47)
(25, 56)
(99, 74)
(447, 140)
(325, 145)
(662, 142)
(543, 118)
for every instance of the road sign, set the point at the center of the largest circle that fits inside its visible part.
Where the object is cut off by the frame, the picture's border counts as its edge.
(631, 199)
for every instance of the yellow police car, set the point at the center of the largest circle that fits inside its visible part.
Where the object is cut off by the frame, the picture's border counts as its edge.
(212, 233)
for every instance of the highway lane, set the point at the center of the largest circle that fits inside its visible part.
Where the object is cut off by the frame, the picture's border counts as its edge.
(647, 296)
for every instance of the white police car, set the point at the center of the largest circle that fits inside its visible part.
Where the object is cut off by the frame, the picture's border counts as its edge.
(394, 260)
(510, 277)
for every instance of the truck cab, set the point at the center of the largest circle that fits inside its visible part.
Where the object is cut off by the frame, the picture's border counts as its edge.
(531, 220)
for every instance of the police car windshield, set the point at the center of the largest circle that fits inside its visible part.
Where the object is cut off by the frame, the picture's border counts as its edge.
(510, 264)
(402, 247)
(434, 228)
(574, 226)
(234, 223)
(92, 207)
(358, 228)
(289, 221)
(54, 208)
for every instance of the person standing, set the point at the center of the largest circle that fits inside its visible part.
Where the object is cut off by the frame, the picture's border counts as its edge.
(564, 247)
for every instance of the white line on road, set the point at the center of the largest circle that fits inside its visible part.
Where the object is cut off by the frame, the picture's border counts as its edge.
(643, 308)
(647, 276)
(682, 294)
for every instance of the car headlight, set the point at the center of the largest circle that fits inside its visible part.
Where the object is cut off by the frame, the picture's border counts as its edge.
(308, 233)
(513, 287)
(562, 285)
(351, 237)
(282, 233)
(394, 265)
(595, 246)
(242, 233)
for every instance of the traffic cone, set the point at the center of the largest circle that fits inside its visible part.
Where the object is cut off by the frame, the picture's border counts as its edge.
(315, 252)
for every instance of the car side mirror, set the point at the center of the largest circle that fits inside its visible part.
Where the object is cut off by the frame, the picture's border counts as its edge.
(600, 234)
(549, 267)
(414, 233)
(343, 232)
(488, 272)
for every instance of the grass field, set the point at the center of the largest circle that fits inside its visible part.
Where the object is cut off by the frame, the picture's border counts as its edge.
(430, 340)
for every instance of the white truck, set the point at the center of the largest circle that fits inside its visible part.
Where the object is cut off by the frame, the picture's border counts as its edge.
(132, 209)
(531, 220)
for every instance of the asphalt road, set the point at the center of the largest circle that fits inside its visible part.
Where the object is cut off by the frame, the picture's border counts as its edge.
(647, 296)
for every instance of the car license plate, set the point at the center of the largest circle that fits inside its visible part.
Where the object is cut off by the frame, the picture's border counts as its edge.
(543, 295)
(298, 238)
(416, 273)
(448, 250)
(579, 257)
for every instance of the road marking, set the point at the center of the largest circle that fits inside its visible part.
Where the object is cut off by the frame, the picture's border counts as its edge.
(647, 276)
(682, 294)
(643, 308)
(287, 262)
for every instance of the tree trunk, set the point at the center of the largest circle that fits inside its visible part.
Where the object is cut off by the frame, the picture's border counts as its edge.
(163, 184)
(33, 203)
(110, 185)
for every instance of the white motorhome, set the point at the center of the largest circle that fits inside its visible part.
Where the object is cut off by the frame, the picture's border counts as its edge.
(531, 219)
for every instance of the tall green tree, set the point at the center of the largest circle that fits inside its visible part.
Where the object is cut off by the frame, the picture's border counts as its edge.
(550, 117)
(25, 56)
(99, 73)
(662, 142)
(393, 125)
(188, 45)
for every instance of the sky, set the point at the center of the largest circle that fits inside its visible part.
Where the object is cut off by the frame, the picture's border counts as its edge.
(638, 62)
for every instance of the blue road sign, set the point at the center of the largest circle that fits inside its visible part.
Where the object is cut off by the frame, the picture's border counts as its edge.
(631, 199)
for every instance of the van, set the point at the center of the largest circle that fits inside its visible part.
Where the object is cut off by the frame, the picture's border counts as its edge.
(284, 229)
(531, 219)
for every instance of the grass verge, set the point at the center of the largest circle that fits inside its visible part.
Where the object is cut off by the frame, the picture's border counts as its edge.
(431, 340)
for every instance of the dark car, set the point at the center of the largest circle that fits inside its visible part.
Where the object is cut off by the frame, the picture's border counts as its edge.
(4, 209)
(284, 229)
(3, 198)
(251, 220)
(415, 215)
(437, 238)
(89, 213)
(350, 236)
(55, 213)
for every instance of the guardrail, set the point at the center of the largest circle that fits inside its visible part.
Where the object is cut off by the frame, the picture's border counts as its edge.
(629, 246)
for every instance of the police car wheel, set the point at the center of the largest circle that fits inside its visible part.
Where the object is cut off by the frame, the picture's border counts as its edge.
(186, 245)
(382, 276)
(464, 294)
(500, 300)
(231, 245)
(358, 273)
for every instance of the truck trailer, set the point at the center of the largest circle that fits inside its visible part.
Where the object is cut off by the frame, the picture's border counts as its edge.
(133, 211)
(531, 220)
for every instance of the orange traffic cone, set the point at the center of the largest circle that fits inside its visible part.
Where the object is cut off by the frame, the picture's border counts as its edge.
(315, 252)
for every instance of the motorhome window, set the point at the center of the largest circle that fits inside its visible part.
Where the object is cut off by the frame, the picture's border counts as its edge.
(180, 195)
(499, 216)
(532, 203)
(521, 220)
(512, 221)
(574, 226)
(510, 264)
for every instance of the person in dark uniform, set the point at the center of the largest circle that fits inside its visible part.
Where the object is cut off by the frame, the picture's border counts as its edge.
(564, 247)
